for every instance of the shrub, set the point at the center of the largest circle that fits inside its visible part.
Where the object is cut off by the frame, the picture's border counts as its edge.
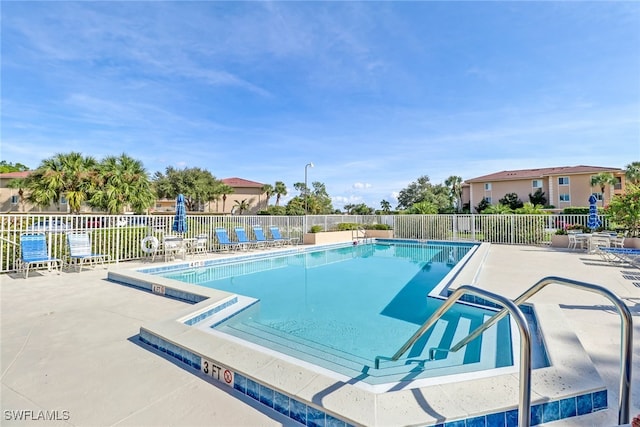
(316, 228)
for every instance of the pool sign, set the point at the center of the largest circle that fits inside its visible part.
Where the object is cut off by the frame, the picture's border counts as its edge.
(217, 372)
(157, 289)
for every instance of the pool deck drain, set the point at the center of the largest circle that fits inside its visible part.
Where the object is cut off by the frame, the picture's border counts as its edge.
(69, 342)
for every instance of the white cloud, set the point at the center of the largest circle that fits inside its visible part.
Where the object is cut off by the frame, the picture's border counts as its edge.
(361, 185)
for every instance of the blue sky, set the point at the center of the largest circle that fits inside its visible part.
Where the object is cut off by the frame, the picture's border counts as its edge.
(375, 94)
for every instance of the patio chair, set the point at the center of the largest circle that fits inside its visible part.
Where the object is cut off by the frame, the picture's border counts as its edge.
(173, 246)
(275, 233)
(34, 252)
(80, 250)
(201, 244)
(241, 234)
(224, 241)
(260, 237)
(576, 240)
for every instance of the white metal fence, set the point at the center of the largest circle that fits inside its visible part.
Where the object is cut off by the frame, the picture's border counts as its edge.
(120, 236)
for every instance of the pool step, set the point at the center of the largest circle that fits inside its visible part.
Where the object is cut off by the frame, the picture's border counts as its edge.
(416, 365)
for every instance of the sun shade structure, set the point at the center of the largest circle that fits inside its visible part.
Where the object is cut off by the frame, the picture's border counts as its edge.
(180, 220)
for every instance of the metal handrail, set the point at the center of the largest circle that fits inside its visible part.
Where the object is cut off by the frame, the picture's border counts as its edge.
(9, 241)
(357, 233)
(524, 405)
(626, 332)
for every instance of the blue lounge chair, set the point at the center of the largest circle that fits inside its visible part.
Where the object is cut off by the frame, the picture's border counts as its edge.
(275, 233)
(34, 252)
(626, 255)
(224, 241)
(241, 234)
(80, 250)
(260, 237)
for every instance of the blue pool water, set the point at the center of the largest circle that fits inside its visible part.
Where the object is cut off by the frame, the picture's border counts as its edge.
(352, 304)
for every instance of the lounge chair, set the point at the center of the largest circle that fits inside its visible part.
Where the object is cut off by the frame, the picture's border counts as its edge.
(34, 252)
(275, 233)
(576, 240)
(260, 237)
(241, 234)
(224, 241)
(80, 250)
(626, 255)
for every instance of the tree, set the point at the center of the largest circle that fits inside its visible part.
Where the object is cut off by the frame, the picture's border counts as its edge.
(422, 190)
(538, 198)
(512, 200)
(268, 190)
(602, 180)
(122, 182)
(530, 209)
(359, 209)
(386, 206)
(624, 210)
(20, 184)
(483, 205)
(241, 206)
(71, 175)
(317, 199)
(454, 183)
(280, 190)
(198, 186)
(422, 208)
(10, 167)
(225, 190)
(499, 209)
(632, 173)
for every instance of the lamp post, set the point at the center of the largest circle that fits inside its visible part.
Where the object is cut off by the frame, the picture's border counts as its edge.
(306, 189)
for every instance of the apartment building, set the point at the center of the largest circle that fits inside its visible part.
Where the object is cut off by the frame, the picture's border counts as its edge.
(564, 186)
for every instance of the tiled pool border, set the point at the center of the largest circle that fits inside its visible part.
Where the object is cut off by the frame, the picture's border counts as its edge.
(307, 415)
(298, 410)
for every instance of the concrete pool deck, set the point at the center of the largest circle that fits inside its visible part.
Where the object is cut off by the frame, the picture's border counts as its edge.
(69, 345)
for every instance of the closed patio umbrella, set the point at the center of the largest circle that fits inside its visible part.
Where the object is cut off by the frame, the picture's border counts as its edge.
(593, 222)
(180, 220)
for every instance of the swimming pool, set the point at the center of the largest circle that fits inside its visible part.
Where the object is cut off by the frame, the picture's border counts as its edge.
(342, 307)
(312, 395)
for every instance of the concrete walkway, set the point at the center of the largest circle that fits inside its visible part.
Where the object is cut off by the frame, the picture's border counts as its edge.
(70, 352)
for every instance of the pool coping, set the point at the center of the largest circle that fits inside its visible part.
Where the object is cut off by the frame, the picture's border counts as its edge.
(569, 387)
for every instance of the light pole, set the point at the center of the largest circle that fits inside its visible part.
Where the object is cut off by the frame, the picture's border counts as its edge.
(306, 191)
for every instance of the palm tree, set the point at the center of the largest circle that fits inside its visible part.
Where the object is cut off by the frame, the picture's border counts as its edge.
(602, 180)
(280, 190)
(632, 173)
(20, 184)
(268, 190)
(123, 181)
(241, 206)
(72, 176)
(386, 206)
(454, 183)
(225, 190)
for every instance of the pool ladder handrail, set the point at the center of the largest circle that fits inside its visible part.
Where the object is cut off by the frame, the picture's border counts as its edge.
(355, 233)
(524, 402)
(626, 344)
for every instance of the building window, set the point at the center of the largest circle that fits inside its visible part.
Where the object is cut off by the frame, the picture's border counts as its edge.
(63, 200)
(488, 199)
(598, 196)
(536, 183)
(618, 184)
(565, 198)
(15, 199)
(487, 186)
(563, 180)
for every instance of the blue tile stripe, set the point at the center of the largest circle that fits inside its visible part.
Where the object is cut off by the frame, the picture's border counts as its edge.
(313, 417)
(200, 317)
